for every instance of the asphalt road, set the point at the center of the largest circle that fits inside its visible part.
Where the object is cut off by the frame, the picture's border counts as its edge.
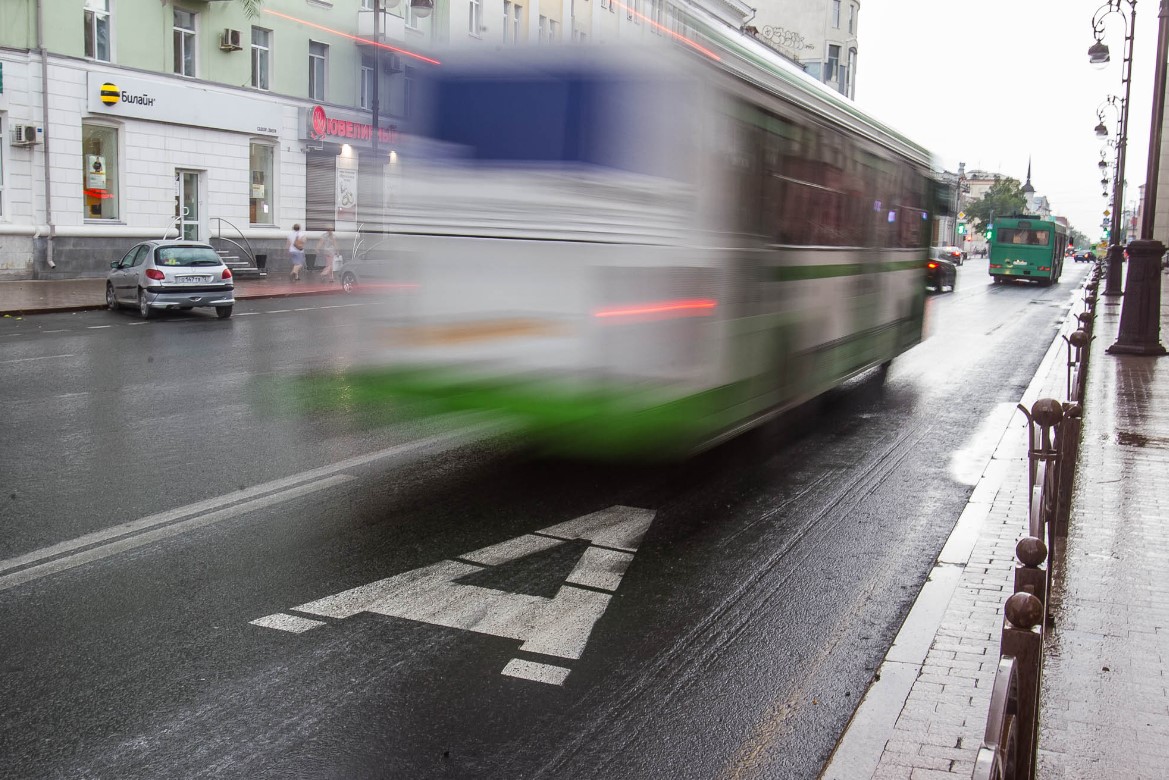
(183, 551)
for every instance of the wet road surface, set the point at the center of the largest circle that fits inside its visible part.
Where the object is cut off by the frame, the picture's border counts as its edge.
(721, 618)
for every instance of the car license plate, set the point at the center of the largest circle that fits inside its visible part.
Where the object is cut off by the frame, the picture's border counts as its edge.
(194, 279)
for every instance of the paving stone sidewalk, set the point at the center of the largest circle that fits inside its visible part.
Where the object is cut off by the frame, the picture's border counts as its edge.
(1104, 710)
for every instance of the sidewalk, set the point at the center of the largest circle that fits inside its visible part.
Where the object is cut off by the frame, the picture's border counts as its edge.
(1104, 710)
(40, 297)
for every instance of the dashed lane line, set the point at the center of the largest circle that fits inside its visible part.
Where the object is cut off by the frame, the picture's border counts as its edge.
(44, 357)
(147, 537)
(14, 571)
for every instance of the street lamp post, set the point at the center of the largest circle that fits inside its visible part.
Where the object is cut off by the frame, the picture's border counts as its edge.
(1140, 318)
(1098, 55)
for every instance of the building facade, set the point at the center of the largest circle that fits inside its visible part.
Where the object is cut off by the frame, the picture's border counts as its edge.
(821, 35)
(124, 120)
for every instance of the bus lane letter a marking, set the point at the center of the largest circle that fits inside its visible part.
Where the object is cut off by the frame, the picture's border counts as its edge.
(557, 626)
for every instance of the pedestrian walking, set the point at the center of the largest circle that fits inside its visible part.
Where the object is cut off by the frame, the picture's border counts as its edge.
(296, 241)
(327, 251)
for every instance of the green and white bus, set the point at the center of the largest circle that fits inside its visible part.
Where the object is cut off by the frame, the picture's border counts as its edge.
(1027, 248)
(641, 252)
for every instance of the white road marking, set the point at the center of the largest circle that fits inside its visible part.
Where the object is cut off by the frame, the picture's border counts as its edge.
(25, 360)
(290, 623)
(247, 313)
(601, 568)
(98, 327)
(132, 324)
(62, 330)
(307, 308)
(512, 549)
(278, 311)
(165, 532)
(559, 626)
(530, 670)
(397, 452)
(620, 527)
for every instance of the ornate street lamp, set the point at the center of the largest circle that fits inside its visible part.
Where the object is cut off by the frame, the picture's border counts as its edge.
(1140, 319)
(1098, 55)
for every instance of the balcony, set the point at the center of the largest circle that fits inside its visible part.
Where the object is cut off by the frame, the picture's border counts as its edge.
(393, 28)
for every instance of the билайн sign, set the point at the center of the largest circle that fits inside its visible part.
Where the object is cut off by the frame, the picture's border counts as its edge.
(180, 103)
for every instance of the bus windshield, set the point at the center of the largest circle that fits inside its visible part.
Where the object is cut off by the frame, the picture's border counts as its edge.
(1023, 236)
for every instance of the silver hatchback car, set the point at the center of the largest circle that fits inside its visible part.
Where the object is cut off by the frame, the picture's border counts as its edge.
(171, 275)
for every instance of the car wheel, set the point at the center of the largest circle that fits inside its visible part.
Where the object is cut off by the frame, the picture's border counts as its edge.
(223, 312)
(348, 282)
(111, 298)
(144, 307)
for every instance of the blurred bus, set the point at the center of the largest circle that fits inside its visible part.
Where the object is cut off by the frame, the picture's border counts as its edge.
(642, 252)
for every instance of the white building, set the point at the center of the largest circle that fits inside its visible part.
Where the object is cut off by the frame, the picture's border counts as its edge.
(821, 35)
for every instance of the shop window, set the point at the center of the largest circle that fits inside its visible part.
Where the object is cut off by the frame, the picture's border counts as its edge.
(318, 56)
(97, 29)
(184, 42)
(261, 209)
(320, 191)
(2, 129)
(261, 57)
(99, 176)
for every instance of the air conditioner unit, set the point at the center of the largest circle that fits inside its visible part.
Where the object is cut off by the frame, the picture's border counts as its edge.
(25, 135)
(230, 40)
(391, 63)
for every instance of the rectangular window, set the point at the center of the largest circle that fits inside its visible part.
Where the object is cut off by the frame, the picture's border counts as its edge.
(553, 30)
(833, 62)
(97, 29)
(475, 17)
(366, 5)
(261, 57)
(507, 22)
(516, 12)
(836, 14)
(366, 82)
(318, 56)
(543, 29)
(184, 42)
(851, 19)
(260, 205)
(2, 146)
(99, 174)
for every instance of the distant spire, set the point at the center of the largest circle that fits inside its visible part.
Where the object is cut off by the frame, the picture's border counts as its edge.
(1027, 188)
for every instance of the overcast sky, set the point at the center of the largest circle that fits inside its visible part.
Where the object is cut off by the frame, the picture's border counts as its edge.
(991, 82)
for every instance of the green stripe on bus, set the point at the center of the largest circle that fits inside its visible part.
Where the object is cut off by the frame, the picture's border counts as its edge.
(799, 273)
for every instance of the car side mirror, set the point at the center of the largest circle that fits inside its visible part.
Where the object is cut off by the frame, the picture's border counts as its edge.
(115, 263)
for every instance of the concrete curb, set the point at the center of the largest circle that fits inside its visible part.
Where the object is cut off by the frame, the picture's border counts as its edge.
(31, 311)
(858, 752)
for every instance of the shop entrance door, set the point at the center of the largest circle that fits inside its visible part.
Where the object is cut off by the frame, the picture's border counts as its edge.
(188, 204)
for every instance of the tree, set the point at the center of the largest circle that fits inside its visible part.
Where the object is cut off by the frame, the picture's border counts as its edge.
(1004, 197)
(1078, 238)
(251, 8)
